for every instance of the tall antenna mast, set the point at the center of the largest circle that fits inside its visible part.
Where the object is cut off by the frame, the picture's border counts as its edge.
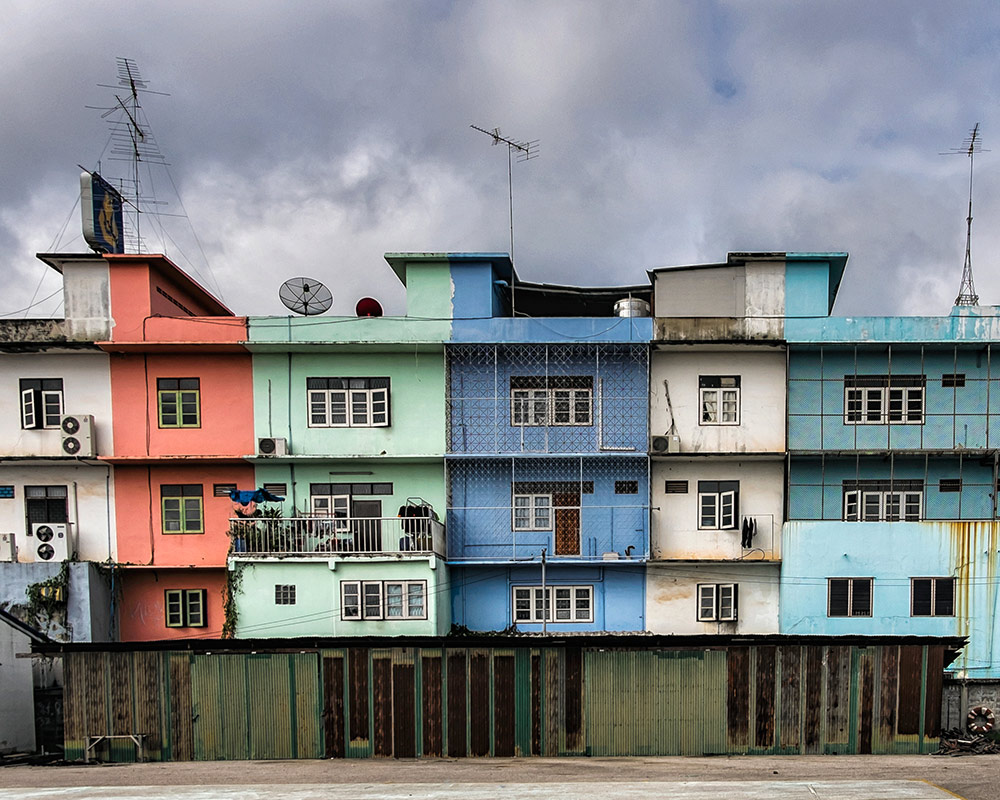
(525, 151)
(967, 291)
(131, 138)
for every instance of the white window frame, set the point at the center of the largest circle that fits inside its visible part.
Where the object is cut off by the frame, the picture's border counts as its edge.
(348, 408)
(189, 608)
(850, 597)
(41, 408)
(719, 396)
(562, 604)
(370, 600)
(534, 503)
(538, 406)
(884, 405)
(285, 594)
(333, 506)
(713, 505)
(718, 602)
(883, 505)
(934, 585)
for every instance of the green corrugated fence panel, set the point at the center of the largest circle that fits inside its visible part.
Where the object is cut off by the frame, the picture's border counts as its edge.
(308, 706)
(271, 722)
(650, 703)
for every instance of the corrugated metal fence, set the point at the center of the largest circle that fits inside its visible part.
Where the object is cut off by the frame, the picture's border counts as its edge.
(556, 699)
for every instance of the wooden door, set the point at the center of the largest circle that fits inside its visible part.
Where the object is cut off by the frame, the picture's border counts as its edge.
(566, 509)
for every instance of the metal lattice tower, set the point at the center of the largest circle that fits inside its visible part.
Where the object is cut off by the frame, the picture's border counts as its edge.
(967, 291)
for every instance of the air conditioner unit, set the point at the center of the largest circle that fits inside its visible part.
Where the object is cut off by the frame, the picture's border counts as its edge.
(78, 435)
(50, 543)
(8, 550)
(272, 447)
(670, 443)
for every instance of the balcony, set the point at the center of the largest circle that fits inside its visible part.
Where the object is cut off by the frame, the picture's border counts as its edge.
(328, 537)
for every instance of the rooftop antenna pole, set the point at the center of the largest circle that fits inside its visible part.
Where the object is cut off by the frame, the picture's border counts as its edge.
(967, 291)
(131, 138)
(525, 151)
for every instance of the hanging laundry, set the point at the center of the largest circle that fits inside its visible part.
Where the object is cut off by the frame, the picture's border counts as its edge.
(256, 496)
(745, 539)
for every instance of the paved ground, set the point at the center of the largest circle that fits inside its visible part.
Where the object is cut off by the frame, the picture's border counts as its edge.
(701, 790)
(757, 777)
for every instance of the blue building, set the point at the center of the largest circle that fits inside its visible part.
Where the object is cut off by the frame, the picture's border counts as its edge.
(547, 465)
(893, 434)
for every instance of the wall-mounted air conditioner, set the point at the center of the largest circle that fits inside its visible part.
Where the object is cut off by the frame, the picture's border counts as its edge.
(671, 443)
(50, 541)
(272, 447)
(78, 435)
(8, 550)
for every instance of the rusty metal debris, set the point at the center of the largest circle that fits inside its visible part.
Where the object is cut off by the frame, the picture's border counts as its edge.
(956, 742)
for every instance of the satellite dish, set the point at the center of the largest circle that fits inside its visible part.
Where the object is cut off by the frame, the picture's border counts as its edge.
(368, 307)
(305, 296)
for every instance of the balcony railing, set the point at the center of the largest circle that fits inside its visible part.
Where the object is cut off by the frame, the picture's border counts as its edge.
(332, 537)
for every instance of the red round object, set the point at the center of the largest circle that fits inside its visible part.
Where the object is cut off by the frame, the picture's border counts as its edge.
(368, 307)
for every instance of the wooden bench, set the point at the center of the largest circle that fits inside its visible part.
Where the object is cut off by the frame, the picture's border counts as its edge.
(139, 739)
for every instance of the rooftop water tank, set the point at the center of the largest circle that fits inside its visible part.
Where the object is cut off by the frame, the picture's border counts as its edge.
(631, 307)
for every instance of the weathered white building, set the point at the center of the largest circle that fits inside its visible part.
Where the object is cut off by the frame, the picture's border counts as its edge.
(717, 433)
(56, 495)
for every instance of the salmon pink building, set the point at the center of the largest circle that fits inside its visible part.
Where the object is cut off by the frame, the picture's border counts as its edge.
(181, 394)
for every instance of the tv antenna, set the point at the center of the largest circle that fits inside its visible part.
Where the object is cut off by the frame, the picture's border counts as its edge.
(305, 296)
(131, 139)
(525, 152)
(967, 291)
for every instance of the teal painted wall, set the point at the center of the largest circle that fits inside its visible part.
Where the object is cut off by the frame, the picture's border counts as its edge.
(317, 587)
(807, 290)
(892, 553)
(417, 402)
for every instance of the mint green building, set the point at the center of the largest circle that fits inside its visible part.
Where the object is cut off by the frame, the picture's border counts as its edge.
(350, 418)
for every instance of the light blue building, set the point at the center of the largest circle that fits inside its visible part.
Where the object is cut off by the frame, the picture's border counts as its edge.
(547, 431)
(893, 430)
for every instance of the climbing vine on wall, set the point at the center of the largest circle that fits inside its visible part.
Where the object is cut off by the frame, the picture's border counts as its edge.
(47, 600)
(234, 585)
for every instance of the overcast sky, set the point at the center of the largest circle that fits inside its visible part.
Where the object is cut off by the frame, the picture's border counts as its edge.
(311, 138)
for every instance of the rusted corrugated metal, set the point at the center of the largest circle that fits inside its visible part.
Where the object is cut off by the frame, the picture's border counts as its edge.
(552, 699)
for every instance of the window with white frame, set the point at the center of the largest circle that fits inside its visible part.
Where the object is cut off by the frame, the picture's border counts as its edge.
(383, 600)
(553, 603)
(719, 399)
(532, 512)
(41, 402)
(185, 608)
(849, 597)
(717, 602)
(883, 501)
(284, 594)
(884, 399)
(348, 402)
(932, 597)
(556, 400)
(718, 505)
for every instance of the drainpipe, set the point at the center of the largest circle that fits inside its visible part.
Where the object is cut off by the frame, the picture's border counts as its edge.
(545, 598)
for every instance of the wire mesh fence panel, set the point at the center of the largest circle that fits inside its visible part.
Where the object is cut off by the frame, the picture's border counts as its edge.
(527, 398)
(885, 397)
(581, 508)
(866, 488)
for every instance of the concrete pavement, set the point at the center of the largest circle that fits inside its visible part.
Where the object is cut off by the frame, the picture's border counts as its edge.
(681, 790)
